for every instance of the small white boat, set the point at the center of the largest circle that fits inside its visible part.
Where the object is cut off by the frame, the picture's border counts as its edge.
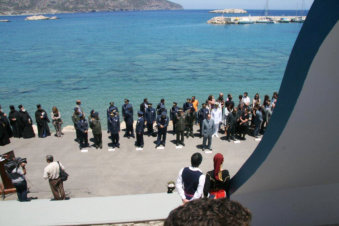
(264, 21)
(284, 20)
(298, 19)
(246, 20)
(5, 21)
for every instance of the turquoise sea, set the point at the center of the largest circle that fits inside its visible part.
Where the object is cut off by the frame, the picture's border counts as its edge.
(109, 56)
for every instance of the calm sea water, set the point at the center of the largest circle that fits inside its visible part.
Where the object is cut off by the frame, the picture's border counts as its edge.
(103, 57)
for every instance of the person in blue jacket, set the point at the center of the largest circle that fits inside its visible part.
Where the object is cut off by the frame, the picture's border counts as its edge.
(114, 126)
(173, 115)
(127, 113)
(109, 111)
(139, 130)
(82, 126)
(162, 123)
(150, 117)
(161, 107)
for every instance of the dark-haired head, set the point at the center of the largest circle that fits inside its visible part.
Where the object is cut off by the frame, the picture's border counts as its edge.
(49, 158)
(217, 212)
(196, 159)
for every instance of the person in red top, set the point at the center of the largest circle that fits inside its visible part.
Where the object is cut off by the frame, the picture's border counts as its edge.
(217, 180)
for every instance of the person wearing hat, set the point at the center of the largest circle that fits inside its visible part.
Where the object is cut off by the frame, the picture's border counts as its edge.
(109, 111)
(127, 113)
(139, 130)
(13, 117)
(150, 116)
(25, 123)
(114, 126)
(189, 121)
(180, 127)
(162, 123)
(95, 125)
(173, 115)
(42, 121)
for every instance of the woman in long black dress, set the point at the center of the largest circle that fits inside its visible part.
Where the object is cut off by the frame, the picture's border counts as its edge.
(217, 180)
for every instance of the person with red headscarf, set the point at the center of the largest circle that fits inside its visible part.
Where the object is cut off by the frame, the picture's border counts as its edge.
(217, 180)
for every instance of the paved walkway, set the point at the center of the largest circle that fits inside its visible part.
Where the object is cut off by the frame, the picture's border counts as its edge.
(125, 171)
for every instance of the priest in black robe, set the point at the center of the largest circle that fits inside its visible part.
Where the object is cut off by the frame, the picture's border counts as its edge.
(42, 121)
(5, 119)
(14, 120)
(26, 122)
(4, 136)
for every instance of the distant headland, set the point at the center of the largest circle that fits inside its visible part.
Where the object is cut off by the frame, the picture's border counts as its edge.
(28, 7)
(226, 11)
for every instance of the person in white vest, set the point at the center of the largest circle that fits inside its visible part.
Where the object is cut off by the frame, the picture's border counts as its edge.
(216, 115)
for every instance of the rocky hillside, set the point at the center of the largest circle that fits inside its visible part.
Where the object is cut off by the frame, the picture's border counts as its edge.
(15, 7)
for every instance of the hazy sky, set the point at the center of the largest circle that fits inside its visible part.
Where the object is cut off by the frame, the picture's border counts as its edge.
(244, 4)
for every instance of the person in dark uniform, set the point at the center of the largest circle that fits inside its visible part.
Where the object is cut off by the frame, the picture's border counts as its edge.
(114, 126)
(180, 127)
(162, 123)
(230, 122)
(150, 117)
(109, 111)
(143, 107)
(75, 120)
(127, 113)
(161, 107)
(139, 130)
(189, 121)
(13, 117)
(238, 114)
(95, 125)
(83, 129)
(187, 105)
(78, 107)
(202, 115)
(173, 115)
(42, 121)
(26, 122)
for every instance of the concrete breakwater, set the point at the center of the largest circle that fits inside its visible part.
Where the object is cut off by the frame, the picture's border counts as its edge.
(256, 19)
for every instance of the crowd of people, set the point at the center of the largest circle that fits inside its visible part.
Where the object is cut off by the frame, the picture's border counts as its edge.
(215, 116)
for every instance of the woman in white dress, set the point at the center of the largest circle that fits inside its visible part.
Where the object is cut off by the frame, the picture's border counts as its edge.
(216, 115)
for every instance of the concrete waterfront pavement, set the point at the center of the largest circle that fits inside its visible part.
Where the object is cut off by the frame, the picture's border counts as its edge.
(125, 171)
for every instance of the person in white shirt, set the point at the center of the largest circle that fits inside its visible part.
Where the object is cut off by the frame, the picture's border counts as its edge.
(190, 182)
(52, 172)
(246, 100)
(216, 115)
